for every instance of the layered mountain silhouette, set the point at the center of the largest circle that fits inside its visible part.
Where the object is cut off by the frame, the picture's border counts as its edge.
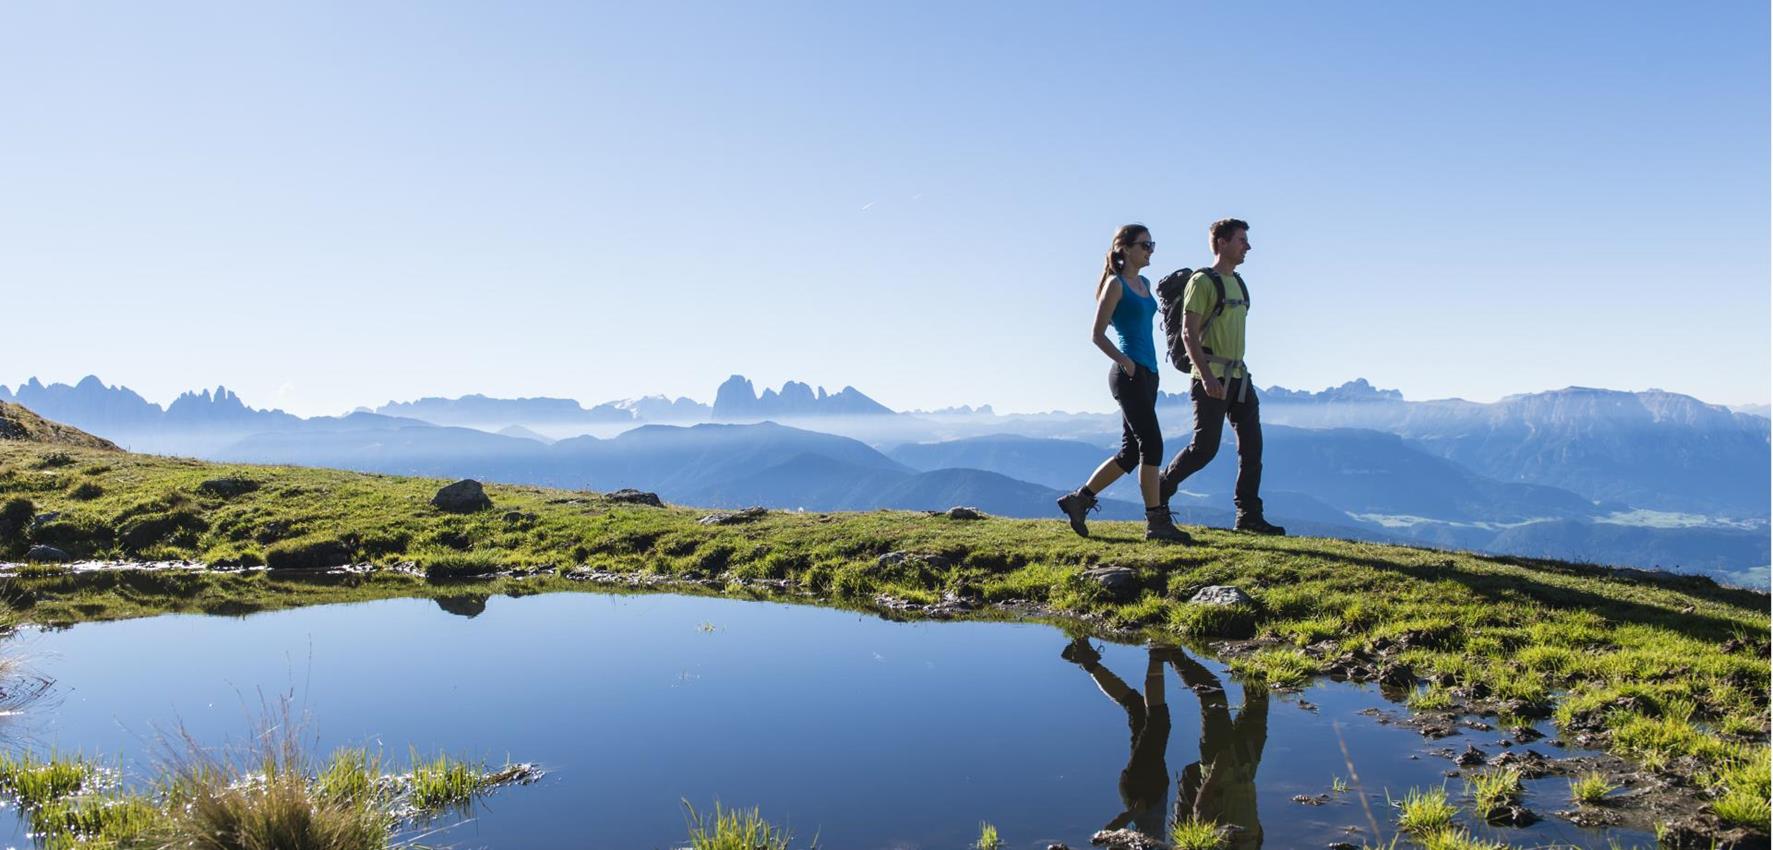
(1644, 479)
(1653, 449)
(737, 401)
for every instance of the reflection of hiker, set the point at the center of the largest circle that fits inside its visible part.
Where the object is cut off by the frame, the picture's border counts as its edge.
(1123, 299)
(1214, 304)
(1221, 787)
(1145, 781)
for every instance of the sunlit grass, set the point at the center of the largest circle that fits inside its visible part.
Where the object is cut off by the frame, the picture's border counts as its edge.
(444, 781)
(1196, 834)
(988, 838)
(1591, 787)
(1278, 667)
(1492, 790)
(1421, 812)
(34, 781)
(733, 829)
(1431, 698)
(1448, 838)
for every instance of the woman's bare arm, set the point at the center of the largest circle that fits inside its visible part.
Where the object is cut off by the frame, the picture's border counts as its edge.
(1099, 333)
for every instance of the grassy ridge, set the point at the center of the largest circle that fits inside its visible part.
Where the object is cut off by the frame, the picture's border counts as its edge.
(1670, 671)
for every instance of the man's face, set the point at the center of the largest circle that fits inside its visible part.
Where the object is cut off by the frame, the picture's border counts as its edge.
(1235, 246)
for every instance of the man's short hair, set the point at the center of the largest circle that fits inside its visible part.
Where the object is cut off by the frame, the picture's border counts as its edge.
(1225, 228)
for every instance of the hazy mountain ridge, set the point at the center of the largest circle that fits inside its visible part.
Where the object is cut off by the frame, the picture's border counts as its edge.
(737, 401)
(1653, 449)
(1527, 474)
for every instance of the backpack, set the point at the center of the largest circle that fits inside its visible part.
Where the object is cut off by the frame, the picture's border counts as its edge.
(1169, 302)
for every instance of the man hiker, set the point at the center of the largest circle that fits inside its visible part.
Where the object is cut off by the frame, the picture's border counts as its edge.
(1214, 306)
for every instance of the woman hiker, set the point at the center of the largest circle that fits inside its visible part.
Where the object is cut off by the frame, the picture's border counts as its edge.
(1124, 300)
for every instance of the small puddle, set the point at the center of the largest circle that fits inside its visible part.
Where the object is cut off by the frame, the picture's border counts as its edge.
(866, 733)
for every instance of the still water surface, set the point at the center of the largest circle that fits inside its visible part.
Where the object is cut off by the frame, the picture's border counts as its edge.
(868, 733)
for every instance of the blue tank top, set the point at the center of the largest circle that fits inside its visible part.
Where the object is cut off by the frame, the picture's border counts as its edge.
(1132, 323)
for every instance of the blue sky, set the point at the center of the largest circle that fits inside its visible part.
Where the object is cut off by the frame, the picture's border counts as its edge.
(326, 205)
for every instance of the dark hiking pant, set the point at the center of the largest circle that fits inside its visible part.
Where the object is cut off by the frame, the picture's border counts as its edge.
(1140, 439)
(1209, 425)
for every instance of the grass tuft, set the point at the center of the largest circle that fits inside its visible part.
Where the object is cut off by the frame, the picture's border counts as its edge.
(1431, 698)
(34, 782)
(988, 837)
(444, 781)
(1196, 834)
(1591, 788)
(1283, 668)
(1422, 812)
(733, 829)
(1457, 839)
(1493, 790)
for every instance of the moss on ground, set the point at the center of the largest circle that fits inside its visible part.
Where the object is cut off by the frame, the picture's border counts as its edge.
(1669, 670)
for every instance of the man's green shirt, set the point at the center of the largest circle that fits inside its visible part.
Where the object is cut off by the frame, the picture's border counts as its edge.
(1225, 337)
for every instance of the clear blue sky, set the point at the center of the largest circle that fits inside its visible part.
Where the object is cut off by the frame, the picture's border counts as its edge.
(324, 205)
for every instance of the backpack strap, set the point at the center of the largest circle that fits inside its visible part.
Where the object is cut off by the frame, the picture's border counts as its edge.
(1219, 305)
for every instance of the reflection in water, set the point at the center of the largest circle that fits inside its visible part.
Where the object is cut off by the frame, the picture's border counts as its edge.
(1221, 786)
(1144, 782)
(464, 606)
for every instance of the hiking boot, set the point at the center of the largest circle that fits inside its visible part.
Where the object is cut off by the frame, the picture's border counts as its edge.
(1258, 525)
(1076, 505)
(1080, 652)
(1159, 525)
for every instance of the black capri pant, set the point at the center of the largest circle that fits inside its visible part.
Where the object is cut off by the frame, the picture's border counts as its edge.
(1140, 439)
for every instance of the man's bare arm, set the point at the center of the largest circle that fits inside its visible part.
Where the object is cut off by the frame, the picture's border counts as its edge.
(1197, 354)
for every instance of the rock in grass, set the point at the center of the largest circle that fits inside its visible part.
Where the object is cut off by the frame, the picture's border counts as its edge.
(463, 497)
(735, 518)
(1120, 583)
(41, 553)
(1222, 594)
(963, 512)
(635, 497)
(1127, 839)
(227, 488)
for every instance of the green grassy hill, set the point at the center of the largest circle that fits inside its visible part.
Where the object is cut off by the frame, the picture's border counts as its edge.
(1668, 671)
(20, 424)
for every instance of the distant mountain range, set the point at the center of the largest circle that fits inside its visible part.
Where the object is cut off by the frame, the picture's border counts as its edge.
(736, 401)
(1654, 449)
(1645, 479)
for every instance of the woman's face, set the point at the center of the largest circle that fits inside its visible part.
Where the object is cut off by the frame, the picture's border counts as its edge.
(1138, 252)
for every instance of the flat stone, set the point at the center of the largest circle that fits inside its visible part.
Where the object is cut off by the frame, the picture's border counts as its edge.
(960, 512)
(43, 553)
(1121, 583)
(1127, 839)
(734, 518)
(1221, 594)
(635, 497)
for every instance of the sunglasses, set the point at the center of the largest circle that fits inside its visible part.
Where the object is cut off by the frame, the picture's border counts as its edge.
(1148, 245)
